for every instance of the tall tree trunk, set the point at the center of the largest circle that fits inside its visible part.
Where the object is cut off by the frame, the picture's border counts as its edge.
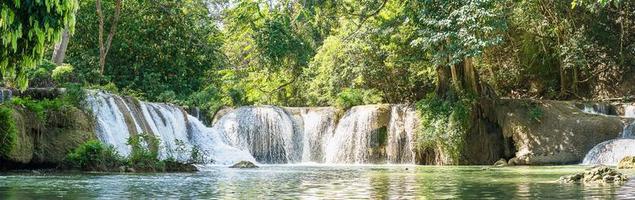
(443, 81)
(103, 48)
(470, 77)
(59, 52)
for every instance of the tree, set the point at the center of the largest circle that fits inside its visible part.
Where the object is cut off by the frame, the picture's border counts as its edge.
(27, 28)
(163, 51)
(59, 51)
(454, 32)
(103, 48)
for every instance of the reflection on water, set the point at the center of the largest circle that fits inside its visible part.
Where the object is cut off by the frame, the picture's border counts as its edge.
(321, 182)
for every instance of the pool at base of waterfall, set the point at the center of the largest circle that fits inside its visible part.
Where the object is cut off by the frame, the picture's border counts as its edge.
(315, 181)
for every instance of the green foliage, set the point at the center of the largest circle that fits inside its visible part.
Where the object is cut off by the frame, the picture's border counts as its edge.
(208, 99)
(455, 30)
(8, 131)
(27, 28)
(73, 97)
(63, 74)
(159, 46)
(39, 107)
(94, 156)
(40, 76)
(444, 125)
(145, 153)
(353, 97)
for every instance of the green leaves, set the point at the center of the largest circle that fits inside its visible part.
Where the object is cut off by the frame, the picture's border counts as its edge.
(27, 28)
(454, 30)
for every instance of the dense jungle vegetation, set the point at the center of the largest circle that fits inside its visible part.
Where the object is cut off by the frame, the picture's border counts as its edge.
(321, 52)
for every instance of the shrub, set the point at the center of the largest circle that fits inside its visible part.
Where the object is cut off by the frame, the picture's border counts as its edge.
(40, 76)
(145, 153)
(444, 124)
(8, 131)
(74, 95)
(94, 156)
(39, 107)
(63, 74)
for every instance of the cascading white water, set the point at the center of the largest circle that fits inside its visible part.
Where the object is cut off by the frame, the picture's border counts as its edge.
(179, 134)
(354, 139)
(597, 108)
(111, 126)
(266, 134)
(612, 151)
(318, 126)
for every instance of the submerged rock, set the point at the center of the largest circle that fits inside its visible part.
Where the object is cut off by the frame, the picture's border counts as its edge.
(597, 175)
(627, 162)
(244, 164)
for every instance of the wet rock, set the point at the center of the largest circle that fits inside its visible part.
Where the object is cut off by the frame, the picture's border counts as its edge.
(597, 175)
(501, 163)
(244, 164)
(627, 162)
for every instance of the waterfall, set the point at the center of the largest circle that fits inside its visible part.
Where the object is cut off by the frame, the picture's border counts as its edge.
(359, 136)
(178, 133)
(318, 125)
(612, 151)
(268, 132)
(265, 134)
(596, 108)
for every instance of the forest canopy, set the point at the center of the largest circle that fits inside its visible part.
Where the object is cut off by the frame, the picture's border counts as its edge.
(214, 53)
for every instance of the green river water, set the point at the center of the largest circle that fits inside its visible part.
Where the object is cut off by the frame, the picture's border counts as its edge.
(315, 182)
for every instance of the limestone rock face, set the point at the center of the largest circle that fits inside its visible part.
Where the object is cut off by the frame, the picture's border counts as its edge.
(627, 162)
(48, 142)
(244, 164)
(597, 175)
(553, 132)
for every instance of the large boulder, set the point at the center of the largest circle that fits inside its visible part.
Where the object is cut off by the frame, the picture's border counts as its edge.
(553, 132)
(46, 142)
(627, 162)
(596, 175)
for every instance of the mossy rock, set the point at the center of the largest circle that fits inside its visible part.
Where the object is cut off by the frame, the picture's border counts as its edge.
(627, 162)
(48, 142)
(598, 175)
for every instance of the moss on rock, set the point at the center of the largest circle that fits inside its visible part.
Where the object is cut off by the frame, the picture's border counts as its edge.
(48, 142)
(8, 131)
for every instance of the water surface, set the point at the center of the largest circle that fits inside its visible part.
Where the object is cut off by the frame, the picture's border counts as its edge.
(315, 182)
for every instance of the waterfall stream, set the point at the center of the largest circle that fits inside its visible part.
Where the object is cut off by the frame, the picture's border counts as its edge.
(178, 133)
(266, 134)
(612, 151)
